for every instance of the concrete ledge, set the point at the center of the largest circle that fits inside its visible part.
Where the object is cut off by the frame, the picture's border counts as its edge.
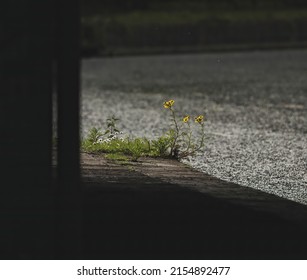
(97, 169)
(160, 208)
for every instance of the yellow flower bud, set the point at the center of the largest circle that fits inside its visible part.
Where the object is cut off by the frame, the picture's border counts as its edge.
(186, 118)
(199, 119)
(168, 104)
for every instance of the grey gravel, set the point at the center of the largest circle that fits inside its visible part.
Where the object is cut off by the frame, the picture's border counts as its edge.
(255, 103)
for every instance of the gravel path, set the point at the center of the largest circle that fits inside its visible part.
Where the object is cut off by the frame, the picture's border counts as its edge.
(255, 102)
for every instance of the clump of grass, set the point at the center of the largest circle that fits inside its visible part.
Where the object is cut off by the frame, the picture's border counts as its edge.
(178, 142)
(119, 146)
(162, 144)
(117, 157)
(132, 148)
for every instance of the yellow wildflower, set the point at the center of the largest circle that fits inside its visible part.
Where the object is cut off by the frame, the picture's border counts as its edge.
(168, 104)
(199, 119)
(186, 118)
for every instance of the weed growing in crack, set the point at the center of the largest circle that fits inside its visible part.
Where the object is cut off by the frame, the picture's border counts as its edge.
(178, 142)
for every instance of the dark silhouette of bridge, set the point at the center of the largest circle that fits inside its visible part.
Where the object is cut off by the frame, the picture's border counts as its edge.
(39, 56)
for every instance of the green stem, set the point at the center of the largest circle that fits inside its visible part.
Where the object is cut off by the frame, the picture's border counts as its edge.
(176, 131)
(201, 142)
(202, 137)
(189, 138)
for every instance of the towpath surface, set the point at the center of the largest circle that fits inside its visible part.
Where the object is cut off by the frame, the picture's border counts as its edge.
(255, 103)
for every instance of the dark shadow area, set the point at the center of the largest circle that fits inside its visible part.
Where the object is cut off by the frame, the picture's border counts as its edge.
(166, 222)
(129, 215)
(39, 55)
(25, 122)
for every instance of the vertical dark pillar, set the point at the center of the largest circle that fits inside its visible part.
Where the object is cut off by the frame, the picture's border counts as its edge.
(68, 192)
(37, 220)
(26, 195)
